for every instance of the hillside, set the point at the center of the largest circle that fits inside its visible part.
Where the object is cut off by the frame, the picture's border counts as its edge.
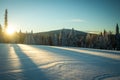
(57, 32)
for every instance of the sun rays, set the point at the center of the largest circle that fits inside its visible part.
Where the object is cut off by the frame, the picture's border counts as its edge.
(10, 31)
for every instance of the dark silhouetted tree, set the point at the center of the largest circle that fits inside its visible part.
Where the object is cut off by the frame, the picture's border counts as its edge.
(6, 20)
(6, 38)
(117, 29)
(117, 36)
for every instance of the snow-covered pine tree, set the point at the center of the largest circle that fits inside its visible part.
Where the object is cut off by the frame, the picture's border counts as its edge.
(55, 40)
(29, 39)
(63, 38)
(72, 38)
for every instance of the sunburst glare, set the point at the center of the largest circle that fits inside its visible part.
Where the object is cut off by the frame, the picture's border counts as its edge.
(10, 30)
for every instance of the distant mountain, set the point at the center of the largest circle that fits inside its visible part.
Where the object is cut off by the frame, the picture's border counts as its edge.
(57, 32)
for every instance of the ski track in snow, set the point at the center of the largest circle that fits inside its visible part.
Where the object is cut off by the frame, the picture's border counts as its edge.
(38, 62)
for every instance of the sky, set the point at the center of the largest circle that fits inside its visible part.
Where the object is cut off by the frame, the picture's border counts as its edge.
(46, 15)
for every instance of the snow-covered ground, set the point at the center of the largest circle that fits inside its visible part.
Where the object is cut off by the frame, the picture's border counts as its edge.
(38, 62)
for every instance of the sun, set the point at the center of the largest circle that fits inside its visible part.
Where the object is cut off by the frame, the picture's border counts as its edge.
(10, 30)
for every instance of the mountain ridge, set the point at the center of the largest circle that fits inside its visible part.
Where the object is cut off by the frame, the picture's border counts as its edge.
(67, 31)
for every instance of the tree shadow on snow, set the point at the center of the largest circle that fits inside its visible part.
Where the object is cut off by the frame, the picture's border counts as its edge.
(30, 70)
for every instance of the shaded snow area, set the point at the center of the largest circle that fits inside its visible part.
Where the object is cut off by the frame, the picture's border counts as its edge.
(38, 62)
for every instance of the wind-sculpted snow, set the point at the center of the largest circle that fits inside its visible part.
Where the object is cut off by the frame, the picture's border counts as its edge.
(38, 62)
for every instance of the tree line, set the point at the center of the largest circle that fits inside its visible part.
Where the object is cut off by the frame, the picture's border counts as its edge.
(104, 40)
(64, 37)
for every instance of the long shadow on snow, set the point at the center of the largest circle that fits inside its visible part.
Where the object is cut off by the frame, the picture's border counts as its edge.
(30, 70)
(5, 62)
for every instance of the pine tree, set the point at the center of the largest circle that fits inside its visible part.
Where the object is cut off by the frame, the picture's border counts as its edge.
(72, 38)
(64, 38)
(6, 20)
(5, 36)
(50, 42)
(117, 29)
(117, 37)
(60, 38)
(21, 37)
(55, 40)
(88, 40)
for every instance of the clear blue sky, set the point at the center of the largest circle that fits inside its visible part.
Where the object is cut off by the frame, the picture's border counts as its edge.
(46, 15)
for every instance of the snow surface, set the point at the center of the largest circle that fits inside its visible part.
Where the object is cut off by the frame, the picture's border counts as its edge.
(38, 62)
